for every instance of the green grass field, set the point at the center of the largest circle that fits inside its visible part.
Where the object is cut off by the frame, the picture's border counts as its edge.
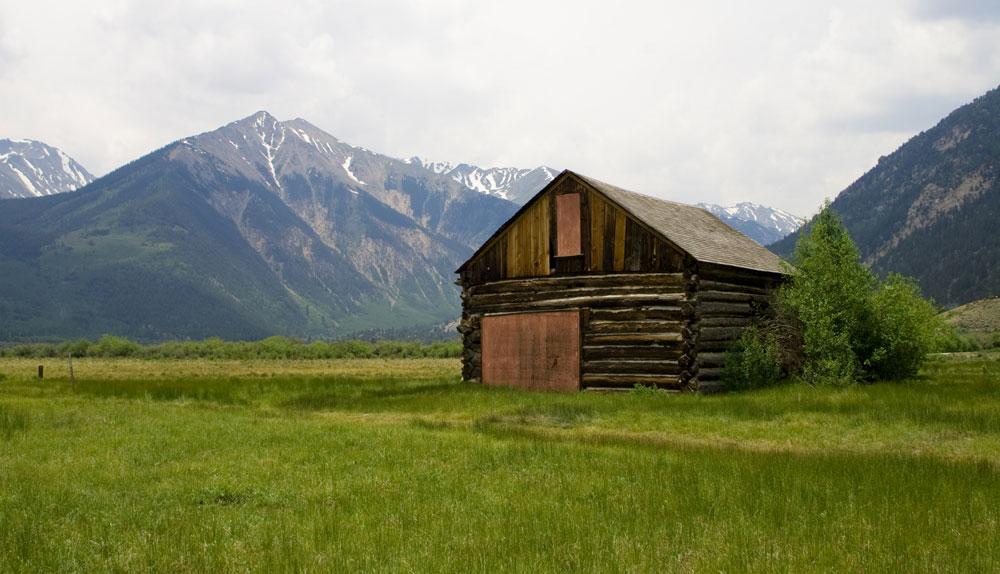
(394, 465)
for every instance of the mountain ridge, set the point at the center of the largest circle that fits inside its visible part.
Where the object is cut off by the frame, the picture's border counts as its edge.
(763, 224)
(265, 227)
(30, 168)
(928, 210)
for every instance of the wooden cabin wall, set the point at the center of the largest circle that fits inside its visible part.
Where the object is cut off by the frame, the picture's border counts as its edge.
(726, 300)
(635, 327)
(612, 241)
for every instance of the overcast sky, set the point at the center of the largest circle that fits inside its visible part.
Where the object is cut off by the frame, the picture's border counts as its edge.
(779, 102)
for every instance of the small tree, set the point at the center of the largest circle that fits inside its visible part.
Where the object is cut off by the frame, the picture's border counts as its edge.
(829, 294)
(852, 326)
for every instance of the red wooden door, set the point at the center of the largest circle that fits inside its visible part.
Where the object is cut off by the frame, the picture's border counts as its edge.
(532, 350)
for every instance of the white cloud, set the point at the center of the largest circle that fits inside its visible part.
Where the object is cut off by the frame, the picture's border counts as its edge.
(709, 101)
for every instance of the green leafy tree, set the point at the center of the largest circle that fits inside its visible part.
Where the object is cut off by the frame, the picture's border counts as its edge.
(854, 327)
(829, 292)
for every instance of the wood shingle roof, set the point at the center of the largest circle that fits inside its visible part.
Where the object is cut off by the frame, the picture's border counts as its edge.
(698, 232)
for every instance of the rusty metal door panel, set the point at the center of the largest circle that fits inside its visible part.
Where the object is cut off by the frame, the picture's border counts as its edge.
(568, 241)
(532, 350)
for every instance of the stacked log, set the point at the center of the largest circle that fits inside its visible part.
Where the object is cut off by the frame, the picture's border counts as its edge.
(633, 331)
(668, 330)
(729, 301)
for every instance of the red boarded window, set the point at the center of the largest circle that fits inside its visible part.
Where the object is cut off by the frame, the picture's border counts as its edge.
(568, 225)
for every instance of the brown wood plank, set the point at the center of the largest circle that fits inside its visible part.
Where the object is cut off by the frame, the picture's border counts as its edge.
(719, 333)
(620, 366)
(716, 359)
(630, 338)
(630, 380)
(584, 301)
(648, 326)
(597, 208)
(728, 296)
(619, 261)
(665, 352)
(725, 322)
(638, 313)
(710, 285)
(724, 309)
(667, 281)
(523, 296)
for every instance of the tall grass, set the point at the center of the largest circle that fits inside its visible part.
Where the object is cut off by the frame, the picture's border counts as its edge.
(13, 421)
(381, 471)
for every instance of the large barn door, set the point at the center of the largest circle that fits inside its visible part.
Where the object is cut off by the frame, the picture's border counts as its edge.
(532, 350)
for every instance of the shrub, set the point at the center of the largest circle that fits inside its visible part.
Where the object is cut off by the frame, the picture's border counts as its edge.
(753, 361)
(905, 327)
(111, 346)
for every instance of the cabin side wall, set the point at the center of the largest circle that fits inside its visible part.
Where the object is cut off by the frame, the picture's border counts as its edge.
(726, 301)
(635, 328)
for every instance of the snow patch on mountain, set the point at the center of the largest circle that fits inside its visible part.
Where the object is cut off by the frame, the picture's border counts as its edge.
(761, 223)
(510, 183)
(347, 168)
(31, 168)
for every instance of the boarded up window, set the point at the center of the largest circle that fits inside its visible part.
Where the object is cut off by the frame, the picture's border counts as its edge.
(532, 350)
(568, 225)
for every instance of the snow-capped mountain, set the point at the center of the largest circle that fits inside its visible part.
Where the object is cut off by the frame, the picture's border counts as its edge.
(31, 168)
(763, 224)
(258, 227)
(511, 183)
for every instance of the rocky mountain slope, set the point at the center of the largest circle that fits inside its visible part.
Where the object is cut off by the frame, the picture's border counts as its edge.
(763, 224)
(31, 168)
(260, 227)
(930, 209)
(511, 183)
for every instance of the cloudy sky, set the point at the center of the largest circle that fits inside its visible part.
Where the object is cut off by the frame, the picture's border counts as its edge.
(779, 102)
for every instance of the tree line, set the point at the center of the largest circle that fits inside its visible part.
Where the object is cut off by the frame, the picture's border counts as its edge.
(214, 348)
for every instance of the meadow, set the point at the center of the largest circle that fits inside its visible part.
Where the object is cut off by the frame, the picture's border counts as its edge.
(395, 465)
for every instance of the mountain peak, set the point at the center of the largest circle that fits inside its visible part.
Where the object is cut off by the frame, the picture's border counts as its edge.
(30, 168)
(763, 224)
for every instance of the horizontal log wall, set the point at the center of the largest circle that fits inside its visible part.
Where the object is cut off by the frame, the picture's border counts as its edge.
(727, 301)
(636, 327)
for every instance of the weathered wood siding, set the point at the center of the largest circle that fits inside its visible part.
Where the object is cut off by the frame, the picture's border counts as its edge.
(635, 327)
(611, 240)
(726, 301)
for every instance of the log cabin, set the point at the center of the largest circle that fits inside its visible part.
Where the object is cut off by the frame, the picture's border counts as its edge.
(589, 286)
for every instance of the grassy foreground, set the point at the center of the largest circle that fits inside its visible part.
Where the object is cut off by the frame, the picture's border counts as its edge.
(393, 465)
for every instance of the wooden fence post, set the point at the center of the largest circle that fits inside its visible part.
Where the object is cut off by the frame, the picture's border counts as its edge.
(72, 379)
(41, 372)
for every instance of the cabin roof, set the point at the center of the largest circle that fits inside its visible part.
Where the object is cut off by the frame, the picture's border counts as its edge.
(701, 234)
